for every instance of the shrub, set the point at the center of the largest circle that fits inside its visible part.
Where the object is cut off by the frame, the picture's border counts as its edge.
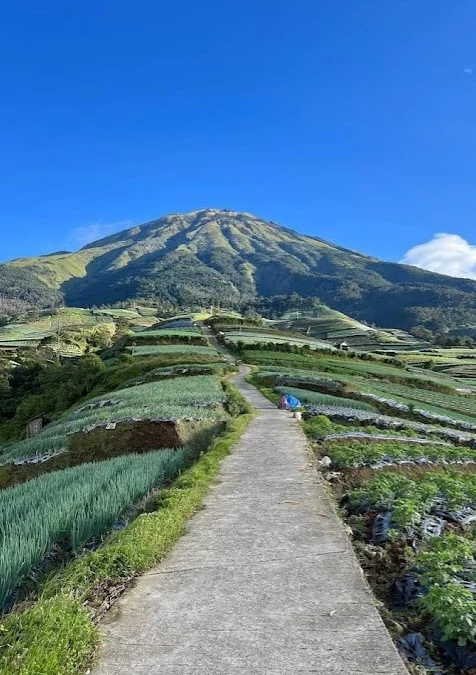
(318, 427)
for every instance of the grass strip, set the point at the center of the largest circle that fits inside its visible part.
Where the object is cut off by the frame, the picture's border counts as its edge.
(268, 392)
(57, 635)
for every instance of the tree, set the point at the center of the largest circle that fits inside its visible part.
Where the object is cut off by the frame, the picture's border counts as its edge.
(422, 333)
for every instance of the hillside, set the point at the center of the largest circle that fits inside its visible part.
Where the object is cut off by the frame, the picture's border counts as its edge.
(104, 458)
(223, 257)
(328, 324)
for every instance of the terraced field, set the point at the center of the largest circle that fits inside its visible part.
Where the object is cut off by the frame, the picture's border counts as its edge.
(458, 362)
(329, 325)
(86, 472)
(71, 508)
(406, 488)
(436, 395)
(167, 332)
(149, 350)
(198, 397)
(316, 398)
(55, 331)
(395, 441)
(250, 337)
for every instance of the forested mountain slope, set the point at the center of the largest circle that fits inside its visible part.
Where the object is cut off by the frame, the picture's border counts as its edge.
(227, 258)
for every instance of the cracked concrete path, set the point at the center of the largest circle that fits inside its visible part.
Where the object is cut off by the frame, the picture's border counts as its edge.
(264, 582)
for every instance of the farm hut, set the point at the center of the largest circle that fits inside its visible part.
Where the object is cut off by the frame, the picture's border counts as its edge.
(343, 346)
(35, 425)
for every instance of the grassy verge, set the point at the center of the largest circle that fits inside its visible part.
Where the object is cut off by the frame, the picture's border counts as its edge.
(236, 404)
(57, 635)
(268, 392)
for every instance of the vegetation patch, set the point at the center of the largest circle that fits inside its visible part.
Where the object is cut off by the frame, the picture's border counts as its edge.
(405, 452)
(418, 406)
(197, 398)
(148, 350)
(159, 337)
(411, 504)
(69, 508)
(313, 397)
(56, 634)
(126, 369)
(102, 443)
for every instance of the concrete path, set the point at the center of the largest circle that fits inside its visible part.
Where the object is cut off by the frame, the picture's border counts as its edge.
(214, 343)
(265, 582)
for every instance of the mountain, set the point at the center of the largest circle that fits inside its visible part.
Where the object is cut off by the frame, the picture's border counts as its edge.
(227, 258)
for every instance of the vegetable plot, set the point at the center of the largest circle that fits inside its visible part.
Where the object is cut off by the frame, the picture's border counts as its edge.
(147, 350)
(71, 507)
(401, 452)
(314, 397)
(197, 397)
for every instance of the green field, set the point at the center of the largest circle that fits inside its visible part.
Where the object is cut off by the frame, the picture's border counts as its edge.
(250, 337)
(330, 325)
(347, 455)
(407, 490)
(167, 332)
(197, 397)
(38, 326)
(150, 350)
(314, 397)
(386, 383)
(48, 519)
(72, 506)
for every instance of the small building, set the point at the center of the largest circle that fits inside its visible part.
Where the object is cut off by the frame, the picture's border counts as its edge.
(343, 346)
(35, 425)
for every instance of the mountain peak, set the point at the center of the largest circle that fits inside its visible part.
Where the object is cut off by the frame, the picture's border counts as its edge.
(229, 258)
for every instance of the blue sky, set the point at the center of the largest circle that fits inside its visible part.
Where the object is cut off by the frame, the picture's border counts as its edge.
(353, 121)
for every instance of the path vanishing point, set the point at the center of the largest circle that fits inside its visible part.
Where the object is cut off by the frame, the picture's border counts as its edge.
(265, 582)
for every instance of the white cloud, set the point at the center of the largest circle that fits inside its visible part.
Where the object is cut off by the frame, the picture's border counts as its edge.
(445, 253)
(85, 234)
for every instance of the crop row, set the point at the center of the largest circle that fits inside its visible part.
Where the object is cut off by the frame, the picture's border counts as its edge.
(410, 499)
(380, 395)
(446, 592)
(250, 338)
(378, 454)
(442, 402)
(316, 398)
(439, 583)
(72, 506)
(201, 396)
(320, 427)
(168, 332)
(176, 370)
(147, 350)
(389, 373)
